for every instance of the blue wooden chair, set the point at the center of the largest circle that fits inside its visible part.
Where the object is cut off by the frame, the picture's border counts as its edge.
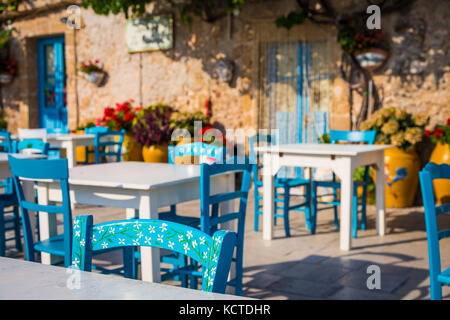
(214, 253)
(354, 137)
(209, 207)
(109, 147)
(282, 200)
(57, 170)
(31, 146)
(438, 277)
(5, 141)
(9, 220)
(196, 149)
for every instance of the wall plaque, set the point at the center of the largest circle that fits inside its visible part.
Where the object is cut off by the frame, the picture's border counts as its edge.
(150, 33)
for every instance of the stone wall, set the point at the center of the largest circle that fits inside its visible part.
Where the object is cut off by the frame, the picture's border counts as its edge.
(416, 75)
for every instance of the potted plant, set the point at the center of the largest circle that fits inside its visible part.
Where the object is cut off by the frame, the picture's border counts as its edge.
(368, 46)
(121, 117)
(153, 130)
(403, 130)
(8, 69)
(441, 154)
(92, 71)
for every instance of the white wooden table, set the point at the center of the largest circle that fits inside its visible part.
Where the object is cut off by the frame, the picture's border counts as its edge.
(135, 186)
(23, 280)
(70, 142)
(343, 159)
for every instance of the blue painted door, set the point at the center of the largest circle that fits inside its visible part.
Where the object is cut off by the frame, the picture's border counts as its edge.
(52, 83)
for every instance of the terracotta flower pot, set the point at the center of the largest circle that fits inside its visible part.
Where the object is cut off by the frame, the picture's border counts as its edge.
(401, 169)
(441, 154)
(158, 153)
(132, 149)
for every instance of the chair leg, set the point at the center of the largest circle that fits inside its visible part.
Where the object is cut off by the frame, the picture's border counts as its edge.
(17, 229)
(286, 199)
(256, 210)
(307, 207)
(435, 290)
(313, 208)
(355, 213)
(2, 232)
(335, 210)
(129, 263)
(363, 215)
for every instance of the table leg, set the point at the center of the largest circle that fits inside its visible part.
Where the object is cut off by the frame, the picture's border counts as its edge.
(346, 175)
(268, 198)
(47, 222)
(150, 264)
(70, 153)
(380, 194)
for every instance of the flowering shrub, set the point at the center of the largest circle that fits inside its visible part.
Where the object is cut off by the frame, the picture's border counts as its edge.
(397, 127)
(89, 66)
(351, 40)
(152, 126)
(8, 66)
(120, 117)
(441, 134)
(211, 135)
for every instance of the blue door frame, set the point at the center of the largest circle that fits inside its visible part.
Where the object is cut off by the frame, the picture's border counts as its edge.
(52, 83)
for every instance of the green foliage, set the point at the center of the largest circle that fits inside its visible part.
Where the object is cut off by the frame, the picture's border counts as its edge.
(5, 38)
(346, 38)
(325, 138)
(102, 7)
(89, 124)
(293, 18)
(185, 120)
(10, 5)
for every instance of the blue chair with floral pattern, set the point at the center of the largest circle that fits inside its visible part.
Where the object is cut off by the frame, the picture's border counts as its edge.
(438, 278)
(214, 252)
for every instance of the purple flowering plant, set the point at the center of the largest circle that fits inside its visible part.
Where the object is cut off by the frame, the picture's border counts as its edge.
(152, 126)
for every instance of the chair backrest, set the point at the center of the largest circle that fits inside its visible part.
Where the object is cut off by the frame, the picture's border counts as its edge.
(109, 147)
(209, 205)
(40, 134)
(5, 142)
(214, 253)
(353, 136)
(208, 153)
(432, 172)
(31, 146)
(34, 170)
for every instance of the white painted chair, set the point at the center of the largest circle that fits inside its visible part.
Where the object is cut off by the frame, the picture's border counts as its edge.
(40, 134)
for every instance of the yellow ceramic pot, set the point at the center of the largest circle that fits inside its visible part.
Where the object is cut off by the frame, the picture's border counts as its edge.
(401, 169)
(132, 149)
(159, 153)
(81, 151)
(441, 154)
(185, 159)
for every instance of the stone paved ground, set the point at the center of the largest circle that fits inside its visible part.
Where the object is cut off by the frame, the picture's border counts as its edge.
(307, 266)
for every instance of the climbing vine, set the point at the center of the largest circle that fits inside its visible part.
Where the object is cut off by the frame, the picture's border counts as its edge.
(207, 10)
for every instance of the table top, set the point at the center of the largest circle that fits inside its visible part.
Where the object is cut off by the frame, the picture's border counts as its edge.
(323, 149)
(69, 136)
(133, 175)
(21, 279)
(4, 156)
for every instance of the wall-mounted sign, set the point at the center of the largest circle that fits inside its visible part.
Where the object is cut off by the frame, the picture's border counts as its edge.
(150, 33)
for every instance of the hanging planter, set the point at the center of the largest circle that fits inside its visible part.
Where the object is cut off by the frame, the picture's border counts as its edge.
(371, 58)
(93, 72)
(5, 78)
(8, 69)
(95, 77)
